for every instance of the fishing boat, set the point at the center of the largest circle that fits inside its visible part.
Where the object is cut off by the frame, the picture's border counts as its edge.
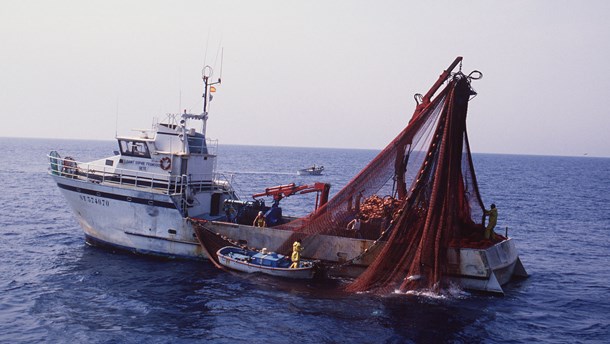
(160, 194)
(269, 263)
(311, 171)
(140, 198)
(429, 234)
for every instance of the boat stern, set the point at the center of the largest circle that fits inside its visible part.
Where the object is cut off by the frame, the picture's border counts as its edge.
(485, 269)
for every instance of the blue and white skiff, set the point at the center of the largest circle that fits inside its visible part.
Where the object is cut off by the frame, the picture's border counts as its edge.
(269, 263)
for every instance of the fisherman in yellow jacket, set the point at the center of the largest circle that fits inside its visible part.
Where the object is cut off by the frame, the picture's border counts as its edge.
(296, 254)
(259, 221)
(493, 219)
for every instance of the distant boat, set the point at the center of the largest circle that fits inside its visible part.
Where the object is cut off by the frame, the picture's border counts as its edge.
(269, 263)
(311, 171)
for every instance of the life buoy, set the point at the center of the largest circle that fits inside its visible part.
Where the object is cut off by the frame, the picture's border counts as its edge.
(166, 163)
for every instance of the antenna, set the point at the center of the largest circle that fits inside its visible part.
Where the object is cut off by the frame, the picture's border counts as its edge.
(116, 120)
(205, 54)
(222, 54)
(217, 51)
(179, 89)
(206, 73)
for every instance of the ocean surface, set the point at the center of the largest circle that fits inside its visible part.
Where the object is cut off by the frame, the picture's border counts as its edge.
(56, 289)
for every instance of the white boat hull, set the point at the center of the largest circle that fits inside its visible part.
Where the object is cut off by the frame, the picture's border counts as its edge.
(309, 173)
(139, 199)
(131, 220)
(485, 269)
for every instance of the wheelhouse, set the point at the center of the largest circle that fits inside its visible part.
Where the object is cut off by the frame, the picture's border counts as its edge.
(134, 148)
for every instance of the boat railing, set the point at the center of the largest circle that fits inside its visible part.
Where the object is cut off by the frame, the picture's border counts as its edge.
(212, 145)
(199, 145)
(67, 167)
(223, 182)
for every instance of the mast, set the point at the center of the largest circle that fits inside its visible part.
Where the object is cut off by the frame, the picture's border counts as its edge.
(206, 74)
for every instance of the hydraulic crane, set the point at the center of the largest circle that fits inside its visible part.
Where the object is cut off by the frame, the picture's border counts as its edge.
(282, 191)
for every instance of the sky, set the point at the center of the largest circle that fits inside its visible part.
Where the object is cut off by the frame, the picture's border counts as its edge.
(338, 74)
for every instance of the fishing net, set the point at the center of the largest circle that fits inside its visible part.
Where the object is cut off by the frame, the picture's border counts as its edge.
(416, 198)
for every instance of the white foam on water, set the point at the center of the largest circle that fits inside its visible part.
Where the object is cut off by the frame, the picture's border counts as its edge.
(452, 292)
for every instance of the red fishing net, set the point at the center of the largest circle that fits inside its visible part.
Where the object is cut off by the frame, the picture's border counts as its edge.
(416, 198)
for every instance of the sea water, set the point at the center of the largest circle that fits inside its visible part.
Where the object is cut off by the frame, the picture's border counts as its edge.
(54, 288)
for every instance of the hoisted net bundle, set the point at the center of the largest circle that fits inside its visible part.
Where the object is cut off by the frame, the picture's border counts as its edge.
(416, 225)
(443, 205)
(376, 181)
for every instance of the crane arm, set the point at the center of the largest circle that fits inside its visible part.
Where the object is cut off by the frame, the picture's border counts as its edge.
(283, 191)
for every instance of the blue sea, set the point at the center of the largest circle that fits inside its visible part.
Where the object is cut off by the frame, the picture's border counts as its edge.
(56, 289)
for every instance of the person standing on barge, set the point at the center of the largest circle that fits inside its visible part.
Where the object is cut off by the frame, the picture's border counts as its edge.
(296, 254)
(259, 221)
(493, 220)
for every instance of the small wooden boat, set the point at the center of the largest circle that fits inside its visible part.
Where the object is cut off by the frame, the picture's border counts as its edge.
(269, 263)
(311, 171)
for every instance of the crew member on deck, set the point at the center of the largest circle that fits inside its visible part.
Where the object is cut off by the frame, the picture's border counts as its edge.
(354, 225)
(493, 219)
(259, 221)
(296, 254)
(229, 212)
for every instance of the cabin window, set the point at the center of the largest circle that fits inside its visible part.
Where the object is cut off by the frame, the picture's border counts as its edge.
(197, 144)
(134, 148)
